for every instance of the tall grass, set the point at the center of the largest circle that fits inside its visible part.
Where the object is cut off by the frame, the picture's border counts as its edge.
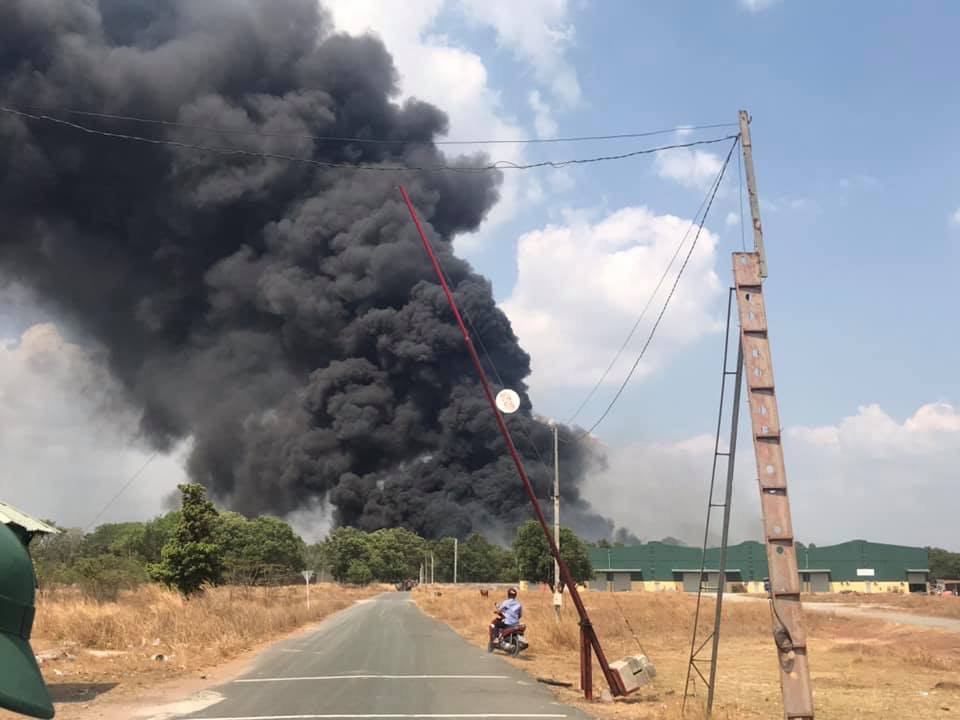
(215, 625)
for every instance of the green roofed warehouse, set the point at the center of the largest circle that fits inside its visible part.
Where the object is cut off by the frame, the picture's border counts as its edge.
(856, 566)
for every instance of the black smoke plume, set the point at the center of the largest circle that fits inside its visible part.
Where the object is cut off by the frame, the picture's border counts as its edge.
(282, 315)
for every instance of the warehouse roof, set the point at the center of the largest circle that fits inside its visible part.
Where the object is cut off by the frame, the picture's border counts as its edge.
(661, 561)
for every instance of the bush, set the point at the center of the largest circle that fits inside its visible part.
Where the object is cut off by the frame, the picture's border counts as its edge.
(102, 577)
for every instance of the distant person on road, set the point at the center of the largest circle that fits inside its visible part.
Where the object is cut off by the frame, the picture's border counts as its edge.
(510, 611)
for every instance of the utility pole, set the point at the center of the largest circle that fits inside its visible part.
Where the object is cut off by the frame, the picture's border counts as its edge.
(747, 146)
(433, 568)
(455, 548)
(557, 597)
(307, 574)
(749, 270)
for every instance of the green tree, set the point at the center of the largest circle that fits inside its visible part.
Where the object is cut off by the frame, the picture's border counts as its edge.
(259, 550)
(191, 558)
(506, 563)
(346, 545)
(114, 538)
(157, 533)
(943, 563)
(478, 560)
(53, 555)
(536, 562)
(358, 573)
(395, 554)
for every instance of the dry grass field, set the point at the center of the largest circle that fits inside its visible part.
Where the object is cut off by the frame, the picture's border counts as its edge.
(861, 668)
(152, 634)
(947, 606)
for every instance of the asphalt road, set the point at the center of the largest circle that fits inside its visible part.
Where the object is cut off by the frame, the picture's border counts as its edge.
(383, 658)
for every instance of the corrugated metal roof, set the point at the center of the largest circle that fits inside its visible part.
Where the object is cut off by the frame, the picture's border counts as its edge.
(659, 561)
(9, 515)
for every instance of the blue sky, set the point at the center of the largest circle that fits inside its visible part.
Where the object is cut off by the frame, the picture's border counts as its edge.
(853, 122)
(857, 147)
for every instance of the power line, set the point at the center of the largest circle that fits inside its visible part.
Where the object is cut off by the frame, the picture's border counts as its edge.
(374, 141)
(663, 310)
(643, 312)
(498, 165)
(122, 490)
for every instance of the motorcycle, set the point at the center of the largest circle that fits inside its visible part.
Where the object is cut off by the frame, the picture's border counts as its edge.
(510, 640)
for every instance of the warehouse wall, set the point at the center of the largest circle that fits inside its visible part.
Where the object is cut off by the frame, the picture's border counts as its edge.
(657, 566)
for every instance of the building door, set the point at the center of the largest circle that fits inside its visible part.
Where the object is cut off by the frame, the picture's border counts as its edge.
(621, 582)
(691, 582)
(819, 582)
(601, 581)
(917, 582)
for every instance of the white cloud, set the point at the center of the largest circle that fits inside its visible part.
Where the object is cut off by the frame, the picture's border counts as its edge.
(543, 117)
(758, 5)
(732, 219)
(580, 287)
(867, 476)
(436, 69)
(691, 168)
(69, 442)
(955, 218)
(537, 31)
(873, 477)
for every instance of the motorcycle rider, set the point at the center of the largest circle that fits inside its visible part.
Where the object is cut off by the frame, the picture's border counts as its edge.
(509, 611)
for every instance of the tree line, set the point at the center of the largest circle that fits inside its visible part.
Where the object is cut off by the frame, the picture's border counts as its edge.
(199, 546)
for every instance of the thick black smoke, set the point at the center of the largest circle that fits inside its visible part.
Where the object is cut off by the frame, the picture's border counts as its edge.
(281, 314)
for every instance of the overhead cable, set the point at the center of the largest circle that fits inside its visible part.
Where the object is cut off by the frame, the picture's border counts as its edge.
(663, 310)
(643, 312)
(680, 129)
(123, 489)
(498, 165)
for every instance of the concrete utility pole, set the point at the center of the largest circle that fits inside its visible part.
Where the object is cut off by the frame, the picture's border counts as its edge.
(747, 145)
(455, 548)
(557, 597)
(433, 568)
(749, 270)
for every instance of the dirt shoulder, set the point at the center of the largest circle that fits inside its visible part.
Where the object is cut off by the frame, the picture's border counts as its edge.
(860, 667)
(947, 606)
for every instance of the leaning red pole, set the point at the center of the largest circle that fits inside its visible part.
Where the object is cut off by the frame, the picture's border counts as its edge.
(565, 575)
